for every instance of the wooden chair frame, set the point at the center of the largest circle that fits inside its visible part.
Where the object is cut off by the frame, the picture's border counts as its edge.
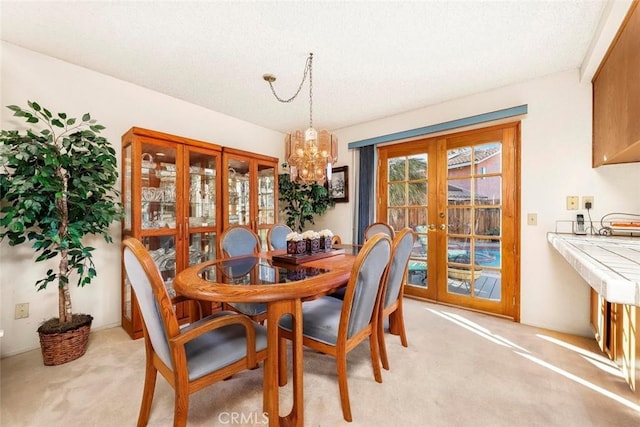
(178, 376)
(394, 310)
(344, 344)
(269, 234)
(381, 227)
(261, 317)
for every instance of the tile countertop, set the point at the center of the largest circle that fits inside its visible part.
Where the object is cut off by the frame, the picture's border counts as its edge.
(611, 265)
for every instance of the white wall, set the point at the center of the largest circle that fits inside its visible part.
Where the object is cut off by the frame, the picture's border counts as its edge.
(556, 162)
(62, 87)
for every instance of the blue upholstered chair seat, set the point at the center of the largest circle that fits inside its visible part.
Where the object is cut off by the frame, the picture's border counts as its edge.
(320, 319)
(249, 308)
(220, 347)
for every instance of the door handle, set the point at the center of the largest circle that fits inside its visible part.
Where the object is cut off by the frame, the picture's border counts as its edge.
(432, 227)
(443, 226)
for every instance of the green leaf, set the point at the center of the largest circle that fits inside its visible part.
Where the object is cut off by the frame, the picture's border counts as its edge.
(57, 123)
(70, 122)
(86, 117)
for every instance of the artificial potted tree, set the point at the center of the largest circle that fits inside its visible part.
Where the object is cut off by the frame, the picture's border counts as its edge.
(301, 201)
(58, 186)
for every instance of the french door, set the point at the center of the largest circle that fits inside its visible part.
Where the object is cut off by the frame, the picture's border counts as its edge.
(460, 194)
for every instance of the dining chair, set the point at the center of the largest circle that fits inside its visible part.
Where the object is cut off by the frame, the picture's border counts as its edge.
(378, 227)
(336, 240)
(277, 236)
(335, 327)
(394, 290)
(189, 358)
(240, 240)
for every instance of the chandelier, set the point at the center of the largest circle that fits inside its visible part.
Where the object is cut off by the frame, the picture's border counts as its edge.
(309, 153)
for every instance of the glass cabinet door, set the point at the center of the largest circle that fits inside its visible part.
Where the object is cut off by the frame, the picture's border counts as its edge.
(266, 204)
(158, 192)
(239, 188)
(202, 190)
(203, 215)
(163, 251)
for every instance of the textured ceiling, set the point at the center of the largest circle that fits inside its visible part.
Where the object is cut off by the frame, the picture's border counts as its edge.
(371, 59)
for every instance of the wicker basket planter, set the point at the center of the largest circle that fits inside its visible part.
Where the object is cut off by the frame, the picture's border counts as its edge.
(60, 347)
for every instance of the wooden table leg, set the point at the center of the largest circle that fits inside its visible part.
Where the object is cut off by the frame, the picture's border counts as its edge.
(271, 390)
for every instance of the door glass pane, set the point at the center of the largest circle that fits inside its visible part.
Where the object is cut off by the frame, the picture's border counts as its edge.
(127, 187)
(417, 167)
(202, 190)
(202, 247)
(396, 218)
(488, 253)
(487, 221)
(397, 195)
(158, 171)
(417, 219)
(488, 285)
(396, 169)
(474, 254)
(487, 190)
(266, 195)
(488, 158)
(239, 192)
(459, 162)
(459, 220)
(163, 251)
(459, 191)
(417, 193)
(407, 201)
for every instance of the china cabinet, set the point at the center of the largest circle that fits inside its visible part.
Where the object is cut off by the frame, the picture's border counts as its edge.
(251, 194)
(170, 191)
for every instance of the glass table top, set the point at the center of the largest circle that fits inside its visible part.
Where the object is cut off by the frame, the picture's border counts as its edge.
(253, 270)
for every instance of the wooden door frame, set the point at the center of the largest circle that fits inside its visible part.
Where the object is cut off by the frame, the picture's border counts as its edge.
(510, 228)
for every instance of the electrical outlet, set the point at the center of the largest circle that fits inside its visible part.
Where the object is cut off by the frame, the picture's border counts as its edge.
(22, 311)
(532, 219)
(585, 200)
(572, 203)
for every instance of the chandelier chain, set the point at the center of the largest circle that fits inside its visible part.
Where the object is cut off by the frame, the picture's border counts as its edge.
(307, 68)
(310, 62)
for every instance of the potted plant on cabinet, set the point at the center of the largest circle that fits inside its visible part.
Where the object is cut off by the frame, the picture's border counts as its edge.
(57, 187)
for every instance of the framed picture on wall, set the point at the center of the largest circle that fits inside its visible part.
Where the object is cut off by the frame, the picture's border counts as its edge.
(339, 184)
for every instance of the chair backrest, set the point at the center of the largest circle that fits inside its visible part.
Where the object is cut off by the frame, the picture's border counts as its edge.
(400, 251)
(378, 227)
(363, 293)
(277, 237)
(153, 299)
(238, 240)
(336, 240)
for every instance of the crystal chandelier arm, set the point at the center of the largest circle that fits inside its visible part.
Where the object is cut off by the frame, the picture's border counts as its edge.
(270, 78)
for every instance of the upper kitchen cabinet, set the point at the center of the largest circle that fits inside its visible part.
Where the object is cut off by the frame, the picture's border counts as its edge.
(616, 97)
(250, 191)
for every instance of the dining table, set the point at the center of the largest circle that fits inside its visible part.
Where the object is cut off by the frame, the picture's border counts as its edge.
(283, 283)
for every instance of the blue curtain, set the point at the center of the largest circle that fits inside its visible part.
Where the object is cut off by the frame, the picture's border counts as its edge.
(366, 189)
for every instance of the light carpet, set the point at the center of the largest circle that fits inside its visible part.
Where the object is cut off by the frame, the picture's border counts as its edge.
(461, 369)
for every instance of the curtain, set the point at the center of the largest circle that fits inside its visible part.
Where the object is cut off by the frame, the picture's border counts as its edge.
(366, 189)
